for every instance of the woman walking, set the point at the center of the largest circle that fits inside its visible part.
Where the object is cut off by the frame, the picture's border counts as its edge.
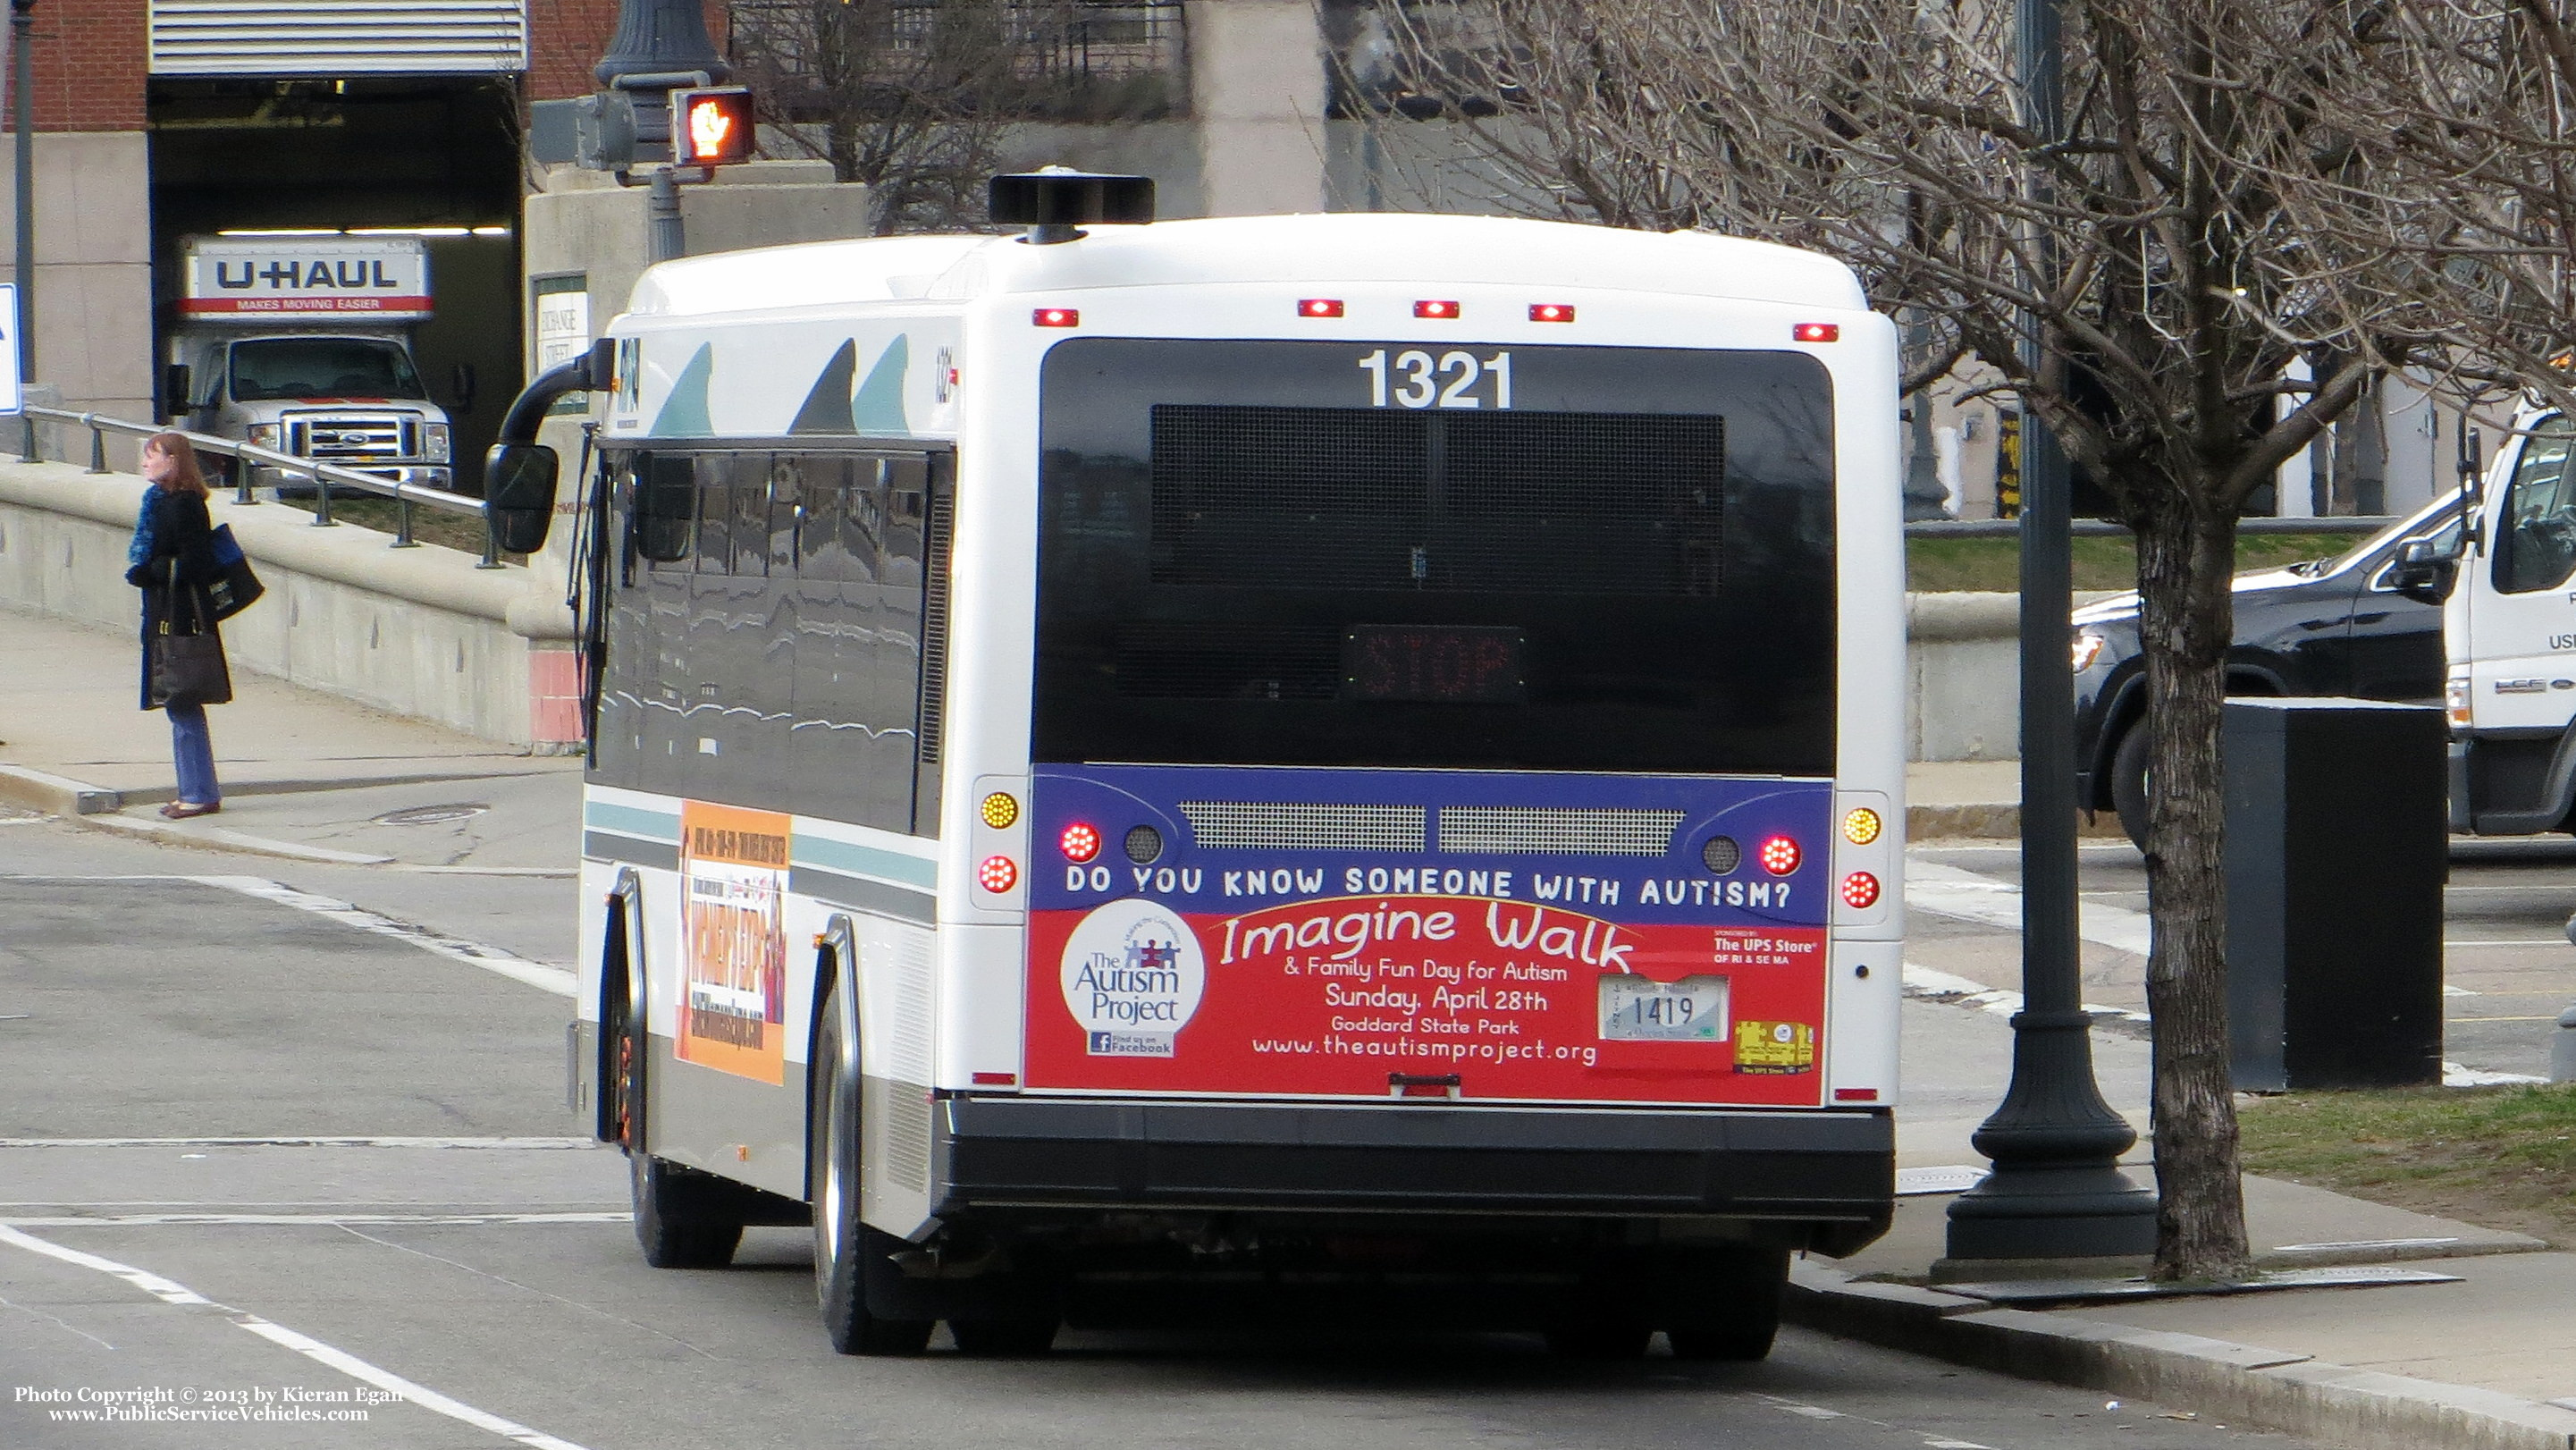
(173, 560)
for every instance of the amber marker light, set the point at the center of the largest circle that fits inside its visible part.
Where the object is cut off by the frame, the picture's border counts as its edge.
(997, 875)
(1057, 317)
(1818, 332)
(999, 810)
(1861, 825)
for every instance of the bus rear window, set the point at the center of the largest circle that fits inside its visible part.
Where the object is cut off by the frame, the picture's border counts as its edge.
(1254, 553)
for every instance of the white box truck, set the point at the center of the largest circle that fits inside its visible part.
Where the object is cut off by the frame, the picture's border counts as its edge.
(303, 344)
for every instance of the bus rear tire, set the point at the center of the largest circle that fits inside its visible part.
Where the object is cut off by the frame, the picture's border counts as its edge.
(844, 1247)
(2129, 783)
(1599, 1340)
(680, 1221)
(674, 1221)
(1743, 1288)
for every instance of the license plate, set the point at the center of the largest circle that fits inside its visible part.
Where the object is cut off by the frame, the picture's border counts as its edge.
(1637, 1009)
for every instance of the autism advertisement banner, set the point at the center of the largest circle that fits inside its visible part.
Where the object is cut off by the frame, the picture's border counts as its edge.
(733, 866)
(1534, 965)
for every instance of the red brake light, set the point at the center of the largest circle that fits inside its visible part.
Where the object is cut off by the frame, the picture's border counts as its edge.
(1551, 312)
(997, 875)
(1817, 332)
(1435, 309)
(1079, 842)
(1779, 855)
(1057, 317)
(1860, 891)
(1320, 307)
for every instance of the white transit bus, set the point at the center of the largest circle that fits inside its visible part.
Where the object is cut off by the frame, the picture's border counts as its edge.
(1354, 760)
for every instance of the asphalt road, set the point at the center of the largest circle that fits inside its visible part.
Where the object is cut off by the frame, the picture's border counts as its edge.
(403, 1224)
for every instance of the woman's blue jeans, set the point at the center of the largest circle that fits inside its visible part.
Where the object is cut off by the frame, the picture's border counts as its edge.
(194, 750)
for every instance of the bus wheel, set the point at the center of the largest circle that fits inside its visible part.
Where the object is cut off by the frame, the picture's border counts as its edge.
(844, 1247)
(1003, 1338)
(678, 1220)
(674, 1220)
(1744, 1285)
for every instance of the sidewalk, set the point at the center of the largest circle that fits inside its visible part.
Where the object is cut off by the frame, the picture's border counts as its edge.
(305, 775)
(2485, 1358)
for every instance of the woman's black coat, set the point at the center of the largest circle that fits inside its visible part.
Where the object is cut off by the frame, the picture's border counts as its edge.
(181, 532)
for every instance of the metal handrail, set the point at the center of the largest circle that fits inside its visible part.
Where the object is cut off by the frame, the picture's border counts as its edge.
(324, 475)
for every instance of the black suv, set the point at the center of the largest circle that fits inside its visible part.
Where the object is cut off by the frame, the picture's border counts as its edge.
(2331, 627)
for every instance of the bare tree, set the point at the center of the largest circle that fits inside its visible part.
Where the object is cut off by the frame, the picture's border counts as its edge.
(917, 97)
(2157, 249)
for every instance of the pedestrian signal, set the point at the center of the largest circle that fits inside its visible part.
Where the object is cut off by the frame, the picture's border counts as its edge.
(711, 127)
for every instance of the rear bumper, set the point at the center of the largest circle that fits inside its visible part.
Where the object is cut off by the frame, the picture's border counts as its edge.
(1832, 1170)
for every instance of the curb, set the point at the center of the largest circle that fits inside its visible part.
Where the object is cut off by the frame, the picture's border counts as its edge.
(1993, 821)
(222, 839)
(54, 794)
(2241, 1384)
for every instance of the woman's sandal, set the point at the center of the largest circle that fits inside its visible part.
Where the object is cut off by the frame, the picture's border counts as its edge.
(182, 810)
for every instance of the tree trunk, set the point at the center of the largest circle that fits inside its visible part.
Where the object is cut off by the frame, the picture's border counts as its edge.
(2186, 617)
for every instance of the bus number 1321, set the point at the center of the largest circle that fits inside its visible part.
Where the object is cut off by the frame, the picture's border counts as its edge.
(1456, 379)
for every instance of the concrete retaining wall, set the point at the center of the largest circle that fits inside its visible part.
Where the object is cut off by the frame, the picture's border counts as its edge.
(422, 632)
(419, 632)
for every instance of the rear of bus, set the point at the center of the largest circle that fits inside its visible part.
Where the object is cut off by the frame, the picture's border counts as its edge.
(1459, 832)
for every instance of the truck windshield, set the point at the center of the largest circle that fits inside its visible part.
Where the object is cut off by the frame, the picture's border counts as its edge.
(322, 367)
(1532, 558)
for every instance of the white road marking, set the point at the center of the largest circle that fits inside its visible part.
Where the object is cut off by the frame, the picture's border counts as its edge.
(558, 980)
(1955, 1178)
(1952, 891)
(523, 1144)
(171, 1292)
(1813, 1412)
(1939, 1443)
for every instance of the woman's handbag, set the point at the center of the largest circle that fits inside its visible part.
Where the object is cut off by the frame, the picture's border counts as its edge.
(187, 668)
(236, 588)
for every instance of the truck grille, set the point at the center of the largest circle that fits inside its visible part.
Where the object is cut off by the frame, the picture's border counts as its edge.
(353, 440)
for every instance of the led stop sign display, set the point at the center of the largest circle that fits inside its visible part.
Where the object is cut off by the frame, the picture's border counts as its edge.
(711, 127)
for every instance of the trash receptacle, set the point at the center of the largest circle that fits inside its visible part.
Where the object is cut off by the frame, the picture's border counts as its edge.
(2337, 847)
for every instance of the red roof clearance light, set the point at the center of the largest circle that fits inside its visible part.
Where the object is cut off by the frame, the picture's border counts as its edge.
(1551, 312)
(1860, 891)
(1445, 311)
(1079, 842)
(1320, 307)
(1817, 332)
(1779, 855)
(997, 875)
(1057, 317)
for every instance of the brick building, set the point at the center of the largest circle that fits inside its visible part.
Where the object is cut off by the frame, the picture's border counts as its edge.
(159, 119)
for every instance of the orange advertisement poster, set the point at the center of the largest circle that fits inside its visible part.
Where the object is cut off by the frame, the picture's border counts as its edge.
(733, 1008)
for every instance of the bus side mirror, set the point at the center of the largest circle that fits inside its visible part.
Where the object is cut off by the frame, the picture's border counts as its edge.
(666, 501)
(2425, 571)
(519, 489)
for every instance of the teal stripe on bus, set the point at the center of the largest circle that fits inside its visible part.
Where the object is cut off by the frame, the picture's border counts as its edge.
(631, 820)
(842, 856)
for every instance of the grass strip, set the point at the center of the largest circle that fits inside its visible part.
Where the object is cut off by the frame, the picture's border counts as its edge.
(1940, 565)
(2502, 1157)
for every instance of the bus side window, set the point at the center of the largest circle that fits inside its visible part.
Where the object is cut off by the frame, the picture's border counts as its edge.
(786, 512)
(2537, 546)
(714, 541)
(748, 473)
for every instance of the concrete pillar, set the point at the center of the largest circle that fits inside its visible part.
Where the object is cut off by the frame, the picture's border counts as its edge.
(93, 317)
(1257, 91)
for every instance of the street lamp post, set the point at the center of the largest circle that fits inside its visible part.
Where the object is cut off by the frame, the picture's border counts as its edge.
(2056, 1191)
